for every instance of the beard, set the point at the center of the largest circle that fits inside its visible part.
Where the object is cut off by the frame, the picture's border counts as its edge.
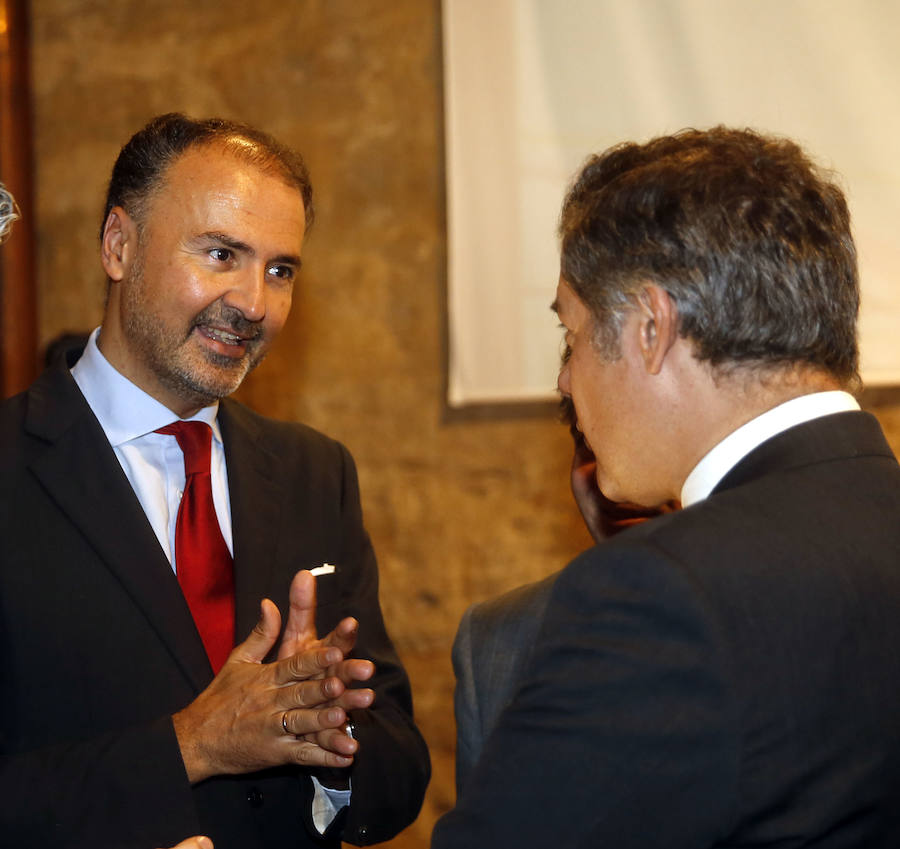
(193, 373)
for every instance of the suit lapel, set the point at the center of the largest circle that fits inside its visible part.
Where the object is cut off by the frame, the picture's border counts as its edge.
(80, 472)
(256, 491)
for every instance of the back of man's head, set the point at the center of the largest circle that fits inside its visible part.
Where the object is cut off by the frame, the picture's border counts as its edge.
(142, 163)
(748, 237)
(8, 212)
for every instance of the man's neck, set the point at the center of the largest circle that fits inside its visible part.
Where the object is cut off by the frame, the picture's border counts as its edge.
(744, 393)
(741, 397)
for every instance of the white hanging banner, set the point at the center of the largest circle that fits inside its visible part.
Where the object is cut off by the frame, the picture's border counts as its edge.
(534, 86)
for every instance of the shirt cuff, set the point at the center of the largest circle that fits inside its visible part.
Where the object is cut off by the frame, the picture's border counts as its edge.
(326, 804)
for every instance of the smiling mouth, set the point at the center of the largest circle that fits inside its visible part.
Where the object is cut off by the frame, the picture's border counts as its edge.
(228, 332)
(226, 337)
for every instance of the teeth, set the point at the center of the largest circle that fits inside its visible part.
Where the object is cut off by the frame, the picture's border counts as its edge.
(223, 336)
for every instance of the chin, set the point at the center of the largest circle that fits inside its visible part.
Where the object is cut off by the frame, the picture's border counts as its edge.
(609, 488)
(626, 494)
(210, 385)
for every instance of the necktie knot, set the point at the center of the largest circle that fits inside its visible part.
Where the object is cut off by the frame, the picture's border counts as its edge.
(195, 441)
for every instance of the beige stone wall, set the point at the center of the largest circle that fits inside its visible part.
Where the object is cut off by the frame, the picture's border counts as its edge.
(458, 510)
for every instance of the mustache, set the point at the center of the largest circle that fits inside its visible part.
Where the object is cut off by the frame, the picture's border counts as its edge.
(231, 319)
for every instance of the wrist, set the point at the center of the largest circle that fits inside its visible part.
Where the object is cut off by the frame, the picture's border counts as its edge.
(196, 764)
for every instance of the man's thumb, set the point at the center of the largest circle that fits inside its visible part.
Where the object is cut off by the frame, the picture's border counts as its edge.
(263, 636)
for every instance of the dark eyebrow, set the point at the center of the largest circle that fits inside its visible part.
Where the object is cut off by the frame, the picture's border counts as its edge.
(287, 259)
(555, 306)
(243, 247)
(229, 242)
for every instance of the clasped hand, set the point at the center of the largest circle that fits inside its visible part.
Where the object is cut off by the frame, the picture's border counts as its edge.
(256, 715)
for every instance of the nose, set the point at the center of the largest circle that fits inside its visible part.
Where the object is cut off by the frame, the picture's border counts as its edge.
(248, 294)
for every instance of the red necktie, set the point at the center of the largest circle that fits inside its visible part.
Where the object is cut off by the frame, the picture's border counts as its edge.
(202, 560)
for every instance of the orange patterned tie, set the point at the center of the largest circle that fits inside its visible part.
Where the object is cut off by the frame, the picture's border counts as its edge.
(202, 560)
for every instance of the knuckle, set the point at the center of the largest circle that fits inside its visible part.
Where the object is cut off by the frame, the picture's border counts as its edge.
(308, 754)
(300, 668)
(304, 721)
(307, 694)
(298, 665)
(332, 687)
(329, 656)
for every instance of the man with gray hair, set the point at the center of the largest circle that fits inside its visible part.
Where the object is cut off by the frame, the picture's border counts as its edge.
(729, 674)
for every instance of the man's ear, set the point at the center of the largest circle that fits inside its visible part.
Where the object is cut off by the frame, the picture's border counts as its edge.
(659, 326)
(119, 243)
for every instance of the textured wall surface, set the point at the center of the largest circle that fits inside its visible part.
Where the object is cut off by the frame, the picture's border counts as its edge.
(458, 511)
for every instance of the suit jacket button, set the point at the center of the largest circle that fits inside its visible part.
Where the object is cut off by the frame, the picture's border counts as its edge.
(363, 831)
(255, 797)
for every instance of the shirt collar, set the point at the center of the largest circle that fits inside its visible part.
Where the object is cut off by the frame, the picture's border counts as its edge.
(124, 410)
(724, 456)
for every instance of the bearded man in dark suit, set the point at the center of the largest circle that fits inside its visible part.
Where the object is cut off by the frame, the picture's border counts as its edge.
(129, 717)
(728, 674)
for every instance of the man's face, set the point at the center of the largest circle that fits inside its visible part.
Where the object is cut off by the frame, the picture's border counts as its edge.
(604, 392)
(205, 290)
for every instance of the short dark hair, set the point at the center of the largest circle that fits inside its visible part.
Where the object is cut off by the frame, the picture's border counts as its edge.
(748, 237)
(142, 163)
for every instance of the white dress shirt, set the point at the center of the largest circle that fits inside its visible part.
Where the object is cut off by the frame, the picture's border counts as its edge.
(738, 444)
(152, 462)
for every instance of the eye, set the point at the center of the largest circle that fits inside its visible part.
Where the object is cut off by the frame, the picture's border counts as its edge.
(221, 254)
(282, 272)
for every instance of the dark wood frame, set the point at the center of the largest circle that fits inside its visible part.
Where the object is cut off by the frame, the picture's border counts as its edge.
(18, 302)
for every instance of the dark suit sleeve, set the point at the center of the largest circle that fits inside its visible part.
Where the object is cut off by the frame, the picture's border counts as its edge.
(465, 703)
(107, 791)
(392, 767)
(622, 734)
(88, 754)
(492, 647)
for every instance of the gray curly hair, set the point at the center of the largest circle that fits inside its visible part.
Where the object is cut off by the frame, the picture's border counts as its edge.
(9, 212)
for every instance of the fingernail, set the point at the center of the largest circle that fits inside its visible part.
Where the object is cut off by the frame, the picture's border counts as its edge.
(335, 715)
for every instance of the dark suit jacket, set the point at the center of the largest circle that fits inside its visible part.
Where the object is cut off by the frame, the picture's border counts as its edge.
(725, 676)
(98, 647)
(493, 643)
